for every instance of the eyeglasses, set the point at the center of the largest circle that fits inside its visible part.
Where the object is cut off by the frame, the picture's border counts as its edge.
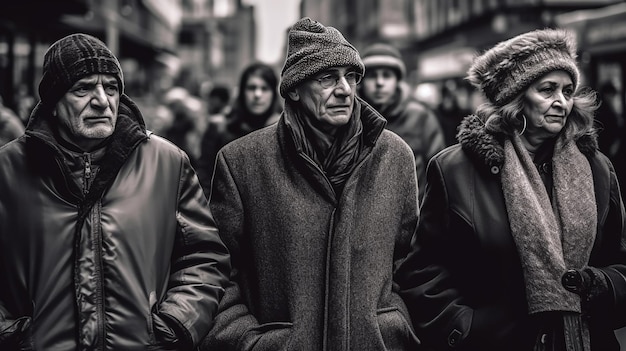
(331, 80)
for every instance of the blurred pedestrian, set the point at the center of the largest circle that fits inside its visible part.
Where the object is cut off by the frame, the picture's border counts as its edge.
(610, 121)
(255, 107)
(520, 240)
(107, 239)
(317, 210)
(450, 110)
(384, 88)
(218, 101)
(11, 126)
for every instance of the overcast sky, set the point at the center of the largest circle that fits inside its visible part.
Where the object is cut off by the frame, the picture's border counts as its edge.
(272, 19)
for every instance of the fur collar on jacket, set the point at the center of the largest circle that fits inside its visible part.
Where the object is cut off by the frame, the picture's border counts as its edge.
(488, 148)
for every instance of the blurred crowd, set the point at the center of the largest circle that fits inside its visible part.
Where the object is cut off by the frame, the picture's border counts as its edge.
(201, 117)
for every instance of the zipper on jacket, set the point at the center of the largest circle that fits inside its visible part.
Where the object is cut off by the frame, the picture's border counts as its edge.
(87, 172)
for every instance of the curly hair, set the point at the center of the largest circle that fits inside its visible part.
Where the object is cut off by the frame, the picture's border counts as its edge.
(508, 119)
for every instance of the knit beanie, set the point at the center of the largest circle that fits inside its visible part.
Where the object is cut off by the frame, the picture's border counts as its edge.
(511, 66)
(72, 58)
(312, 48)
(384, 55)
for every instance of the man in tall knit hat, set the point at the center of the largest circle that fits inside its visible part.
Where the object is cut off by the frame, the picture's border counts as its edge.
(106, 239)
(520, 244)
(317, 210)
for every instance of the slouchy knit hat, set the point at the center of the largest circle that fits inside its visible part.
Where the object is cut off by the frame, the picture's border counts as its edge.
(72, 58)
(384, 55)
(312, 48)
(511, 66)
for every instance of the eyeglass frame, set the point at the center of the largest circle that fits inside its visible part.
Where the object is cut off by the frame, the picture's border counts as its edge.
(335, 79)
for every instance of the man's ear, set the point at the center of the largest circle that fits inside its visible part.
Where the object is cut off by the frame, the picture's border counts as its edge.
(293, 94)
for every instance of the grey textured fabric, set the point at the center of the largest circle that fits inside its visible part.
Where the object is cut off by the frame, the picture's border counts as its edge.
(312, 48)
(511, 66)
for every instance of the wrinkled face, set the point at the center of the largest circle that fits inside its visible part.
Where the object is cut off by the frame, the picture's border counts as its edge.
(332, 106)
(379, 85)
(548, 103)
(88, 111)
(257, 95)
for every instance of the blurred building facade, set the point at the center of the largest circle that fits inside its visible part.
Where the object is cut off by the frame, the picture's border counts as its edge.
(213, 39)
(439, 38)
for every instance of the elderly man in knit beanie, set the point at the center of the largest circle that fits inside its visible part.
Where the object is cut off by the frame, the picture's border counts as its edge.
(316, 210)
(107, 239)
(384, 88)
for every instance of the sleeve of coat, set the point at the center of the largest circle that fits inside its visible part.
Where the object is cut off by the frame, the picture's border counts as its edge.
(612, 259)
(439, 311)
(200, 262)
(235, 326)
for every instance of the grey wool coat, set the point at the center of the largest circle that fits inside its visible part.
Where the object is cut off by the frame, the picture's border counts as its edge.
(312, 272)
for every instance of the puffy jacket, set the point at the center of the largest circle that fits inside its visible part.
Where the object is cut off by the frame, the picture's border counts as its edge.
(92, 270)
(463, 280)
(312, 271)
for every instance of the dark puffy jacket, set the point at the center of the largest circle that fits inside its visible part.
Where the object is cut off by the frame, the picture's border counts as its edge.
(463, 280)
(91, 271)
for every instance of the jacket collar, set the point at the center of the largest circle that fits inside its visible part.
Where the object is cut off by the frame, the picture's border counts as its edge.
(487, 148)
(129, 132)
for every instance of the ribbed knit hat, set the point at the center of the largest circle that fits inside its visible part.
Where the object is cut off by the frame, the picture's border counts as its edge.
(511, 66)
(312, 48)
(72, 58)
(384, 55)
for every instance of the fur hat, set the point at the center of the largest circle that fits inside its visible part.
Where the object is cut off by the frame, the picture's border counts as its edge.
(511, 66)
(312, 48)
(384, 55)
(72, 58)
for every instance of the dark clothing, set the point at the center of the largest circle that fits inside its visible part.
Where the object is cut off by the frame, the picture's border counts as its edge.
(313, 269)
(96, 262)
(463, 281)
(418, 126)
(11, 126)
(220, 133)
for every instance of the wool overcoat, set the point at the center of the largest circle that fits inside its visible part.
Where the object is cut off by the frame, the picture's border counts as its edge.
(463, 280)
(312, 271)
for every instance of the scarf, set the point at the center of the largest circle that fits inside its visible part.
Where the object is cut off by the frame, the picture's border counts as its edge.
(336, 156)
(551, 237)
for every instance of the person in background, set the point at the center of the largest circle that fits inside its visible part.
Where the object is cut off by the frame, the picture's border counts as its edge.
(317, 210)
(610, 121)
(107, 239)
(218, 100)
(383, 87)
(11, 126)
(255, 107)
(450, 110)
(521, 232)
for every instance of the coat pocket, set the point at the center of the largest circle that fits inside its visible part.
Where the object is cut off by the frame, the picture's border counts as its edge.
(271, 336)
(395, 330)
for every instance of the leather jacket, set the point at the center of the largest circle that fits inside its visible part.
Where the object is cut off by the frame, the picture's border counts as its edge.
(105, 266)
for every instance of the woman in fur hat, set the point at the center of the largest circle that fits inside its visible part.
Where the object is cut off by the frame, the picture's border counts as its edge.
(519, 241)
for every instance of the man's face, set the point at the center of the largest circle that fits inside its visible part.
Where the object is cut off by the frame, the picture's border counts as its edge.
(88, 111)
(331, 105)
(379, 85)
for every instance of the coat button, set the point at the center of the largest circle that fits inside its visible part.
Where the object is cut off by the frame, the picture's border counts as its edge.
(454, 337)
(495, 169)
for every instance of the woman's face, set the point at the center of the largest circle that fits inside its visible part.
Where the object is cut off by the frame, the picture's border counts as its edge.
(548, 103)
(258, 95)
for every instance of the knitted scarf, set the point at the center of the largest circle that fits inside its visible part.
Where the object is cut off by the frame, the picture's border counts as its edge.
(336, 155)
(551, 237)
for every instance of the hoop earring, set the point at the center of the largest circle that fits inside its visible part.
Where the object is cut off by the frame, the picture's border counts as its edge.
(523, 128)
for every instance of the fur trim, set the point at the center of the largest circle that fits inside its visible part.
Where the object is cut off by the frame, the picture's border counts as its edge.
(488, 148)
